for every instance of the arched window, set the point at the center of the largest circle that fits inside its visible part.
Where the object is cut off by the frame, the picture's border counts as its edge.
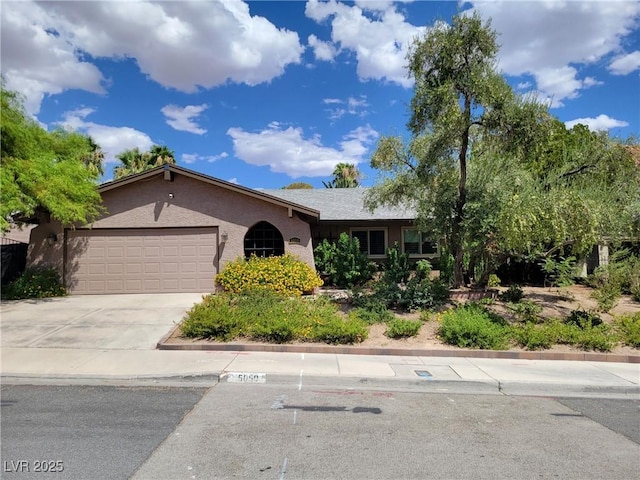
(263, 240)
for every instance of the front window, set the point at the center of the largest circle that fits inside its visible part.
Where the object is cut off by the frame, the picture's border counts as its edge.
(416, 244)
(373, 242)
(263, 240)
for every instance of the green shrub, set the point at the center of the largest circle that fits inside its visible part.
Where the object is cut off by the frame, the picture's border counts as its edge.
(526, 310)
(401, 328)
(560, 272)
(598, 338)
(215, 318)
(607, 296)
(35, 283)
(371, 317)
(494, 281)
(338, 331)
(343, 262)
(471, 326)
(533, 337)
(583, 319)
(267, 316)
(628, 329)
(283, 274)
(403, 289)
(513, 294)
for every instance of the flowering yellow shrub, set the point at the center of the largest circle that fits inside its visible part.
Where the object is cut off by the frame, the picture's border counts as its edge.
(285, 274)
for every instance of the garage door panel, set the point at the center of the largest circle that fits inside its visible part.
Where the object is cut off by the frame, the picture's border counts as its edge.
(141, 260)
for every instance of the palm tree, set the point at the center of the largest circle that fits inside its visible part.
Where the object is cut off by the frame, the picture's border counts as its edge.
(93, 160)
(132, 161)
(161, 155)
(345, 175)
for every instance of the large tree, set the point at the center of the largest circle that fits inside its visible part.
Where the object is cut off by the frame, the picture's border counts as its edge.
(345, 175)
(44, 172)
(493, 174)
(134, 161)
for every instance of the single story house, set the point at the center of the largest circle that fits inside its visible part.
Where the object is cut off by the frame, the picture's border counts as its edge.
(171, 229)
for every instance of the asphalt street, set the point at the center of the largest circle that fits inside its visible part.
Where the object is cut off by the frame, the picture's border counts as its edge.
(290, 430)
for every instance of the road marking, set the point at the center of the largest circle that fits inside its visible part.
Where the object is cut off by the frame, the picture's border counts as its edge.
(300, 384)
(284, 469)
(295, 415)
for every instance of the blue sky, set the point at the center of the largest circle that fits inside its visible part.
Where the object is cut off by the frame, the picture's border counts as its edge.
(273, 92)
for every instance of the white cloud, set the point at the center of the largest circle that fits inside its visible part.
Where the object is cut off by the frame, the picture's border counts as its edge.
(181, 118)
(194, 157)
(380, 43)
(285, 150)
(37, 62)
(548, 40)
(112, 140)
(324, 51)
(233, 180)
(625, 64)
(352, 106)
(601, 122)
(183, 45)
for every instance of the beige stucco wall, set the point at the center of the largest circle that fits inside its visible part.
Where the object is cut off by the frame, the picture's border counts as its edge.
(183, 202)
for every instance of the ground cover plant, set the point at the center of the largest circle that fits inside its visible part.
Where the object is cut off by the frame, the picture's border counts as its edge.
(264, 315)
(35, 283)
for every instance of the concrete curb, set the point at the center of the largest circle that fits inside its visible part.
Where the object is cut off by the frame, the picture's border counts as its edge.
(408, 352)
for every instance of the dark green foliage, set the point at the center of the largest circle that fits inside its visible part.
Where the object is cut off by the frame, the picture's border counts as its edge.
(526, 310)
(471, 326)
(620, 276)
(403, 289)
(35, 283)
(401, 328)
(560, 271)
(343, 262)
(583, 319)
(513, 294)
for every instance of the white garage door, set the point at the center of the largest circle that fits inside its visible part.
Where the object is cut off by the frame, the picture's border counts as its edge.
(141, 260)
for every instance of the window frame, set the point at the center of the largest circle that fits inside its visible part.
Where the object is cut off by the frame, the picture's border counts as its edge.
(385, 231)
(263, 226)
(422, 240)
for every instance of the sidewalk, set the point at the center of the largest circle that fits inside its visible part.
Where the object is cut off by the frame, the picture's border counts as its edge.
(483, 375)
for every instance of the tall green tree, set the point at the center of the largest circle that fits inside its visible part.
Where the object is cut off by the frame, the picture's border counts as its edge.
(134, 161)
(345, 175)
(43, 172)
(459, 98)
(298, 186)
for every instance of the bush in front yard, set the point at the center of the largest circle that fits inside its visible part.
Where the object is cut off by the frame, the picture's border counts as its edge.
(402, 328)
(215, 318)
(270, 317)
(284, 274)
(628, 328)
(35, 283)
(471, 326)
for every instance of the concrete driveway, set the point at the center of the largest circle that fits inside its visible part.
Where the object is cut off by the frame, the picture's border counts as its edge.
(131, 322)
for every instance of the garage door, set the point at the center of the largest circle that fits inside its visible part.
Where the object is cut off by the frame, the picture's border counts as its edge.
(141, 260)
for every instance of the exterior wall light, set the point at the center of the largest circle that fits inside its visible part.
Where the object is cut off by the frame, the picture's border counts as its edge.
(224, 237)
(51, 239)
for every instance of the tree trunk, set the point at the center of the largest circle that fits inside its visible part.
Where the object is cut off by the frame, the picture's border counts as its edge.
(457, 234)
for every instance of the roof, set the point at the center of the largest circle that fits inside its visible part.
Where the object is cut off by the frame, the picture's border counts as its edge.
(168, 169)
(338, 204)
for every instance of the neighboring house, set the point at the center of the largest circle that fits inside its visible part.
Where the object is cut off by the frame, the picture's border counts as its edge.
(170, 229)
